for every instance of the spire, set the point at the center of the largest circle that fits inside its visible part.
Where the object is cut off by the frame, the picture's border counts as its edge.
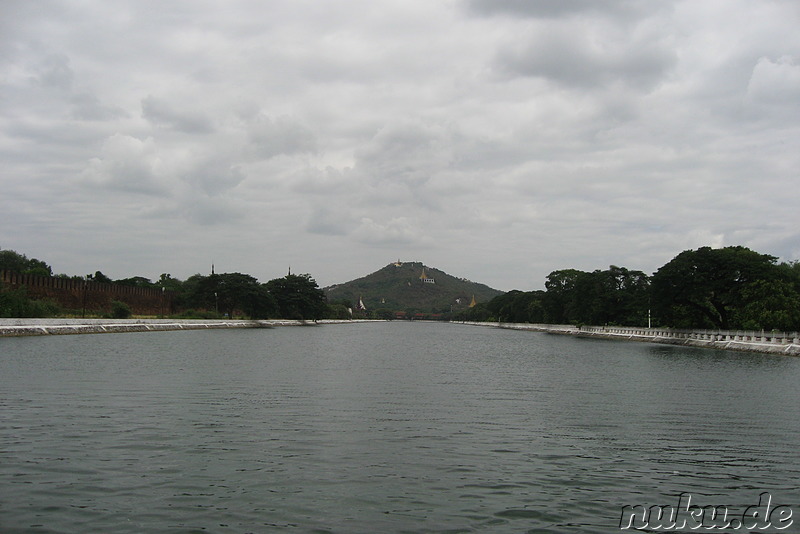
(473, 303)
(212, 268)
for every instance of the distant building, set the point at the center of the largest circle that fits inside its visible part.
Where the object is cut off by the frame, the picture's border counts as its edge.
(425, 279)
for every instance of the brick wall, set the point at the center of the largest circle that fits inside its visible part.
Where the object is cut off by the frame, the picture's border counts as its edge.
(93, 296)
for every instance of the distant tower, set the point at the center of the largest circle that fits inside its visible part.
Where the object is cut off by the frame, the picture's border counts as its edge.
(473, 303)
(212, 268)
(425, 279)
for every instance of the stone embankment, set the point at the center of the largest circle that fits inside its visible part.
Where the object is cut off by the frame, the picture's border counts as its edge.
(769, 342)
(39, 327)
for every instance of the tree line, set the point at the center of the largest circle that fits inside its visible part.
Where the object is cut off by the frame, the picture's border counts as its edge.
(295, 296)
(727, 288)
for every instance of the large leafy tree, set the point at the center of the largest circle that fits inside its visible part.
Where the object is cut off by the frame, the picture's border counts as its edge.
(298, 297)
(230, 292)
(613, 296)
(518, 307)
(14, 261)
(559, 301)
(708, 288)
(622, 296)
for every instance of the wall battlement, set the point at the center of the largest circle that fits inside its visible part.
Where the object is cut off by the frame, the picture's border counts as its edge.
(78, 294)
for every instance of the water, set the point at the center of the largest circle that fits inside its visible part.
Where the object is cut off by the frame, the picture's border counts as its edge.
(396, 427)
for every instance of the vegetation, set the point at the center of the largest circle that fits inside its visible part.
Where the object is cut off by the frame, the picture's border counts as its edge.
(731, 287)
(398, 287)
(298, 297)
(15, 303)
(726, 288)
(13, 261)
(120, 310)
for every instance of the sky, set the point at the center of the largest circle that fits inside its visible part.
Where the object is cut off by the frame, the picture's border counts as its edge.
(496, 140)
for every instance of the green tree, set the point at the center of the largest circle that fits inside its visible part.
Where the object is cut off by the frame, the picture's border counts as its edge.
(15, 303)
(13, 261)
(228, 293)
(135, 281)
(622, 297)
(517, 307)
(560, 302)
(120, 310)
(770, 305)
(709, 288)
(100, 278)
(298, 297)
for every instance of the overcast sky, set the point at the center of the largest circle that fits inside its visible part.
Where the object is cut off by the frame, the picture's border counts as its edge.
(497, 140)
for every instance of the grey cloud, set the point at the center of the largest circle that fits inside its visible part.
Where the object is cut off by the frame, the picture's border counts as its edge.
(335, 220)
(281, 136)
(775, 82)
(476, 131)
(570, 57)
(89, 108)
(176, 117)
(406, 153)
(54, 72)
(215, 176)
(392, 232)
(127, 164)
(329, 182)
(211, 211)
(557, 8)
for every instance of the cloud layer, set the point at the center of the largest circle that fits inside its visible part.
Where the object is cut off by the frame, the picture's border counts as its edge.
(497, 140)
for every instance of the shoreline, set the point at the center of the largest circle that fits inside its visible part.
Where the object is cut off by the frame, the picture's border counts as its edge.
(765, 343)
(44, 327)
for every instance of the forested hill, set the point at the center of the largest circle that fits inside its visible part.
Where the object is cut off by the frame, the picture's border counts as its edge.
(401, 287)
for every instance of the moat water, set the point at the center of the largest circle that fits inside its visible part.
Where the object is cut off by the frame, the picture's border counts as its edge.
(385, 427)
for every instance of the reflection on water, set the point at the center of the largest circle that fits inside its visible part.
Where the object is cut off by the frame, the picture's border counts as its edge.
(397, 427)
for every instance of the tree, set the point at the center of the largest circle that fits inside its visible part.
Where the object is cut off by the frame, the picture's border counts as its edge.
(120, 310)
(100, 277)
(135, 281)
(769, 305)
(623, 296)
(560, 296)
(705, 288)
(298, 297)
(228, 293)
(13, 261)
(518, 307)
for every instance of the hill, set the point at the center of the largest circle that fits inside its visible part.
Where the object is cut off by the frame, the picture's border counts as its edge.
(402, 286)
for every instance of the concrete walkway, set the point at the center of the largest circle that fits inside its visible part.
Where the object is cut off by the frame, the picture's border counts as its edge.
(40, 327)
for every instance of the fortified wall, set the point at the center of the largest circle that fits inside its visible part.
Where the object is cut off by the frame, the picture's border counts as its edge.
(86, 295)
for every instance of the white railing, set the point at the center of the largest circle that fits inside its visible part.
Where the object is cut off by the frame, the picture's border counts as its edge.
(748, 336)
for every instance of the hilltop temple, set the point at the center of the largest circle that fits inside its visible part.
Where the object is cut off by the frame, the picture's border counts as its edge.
(425, 279)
